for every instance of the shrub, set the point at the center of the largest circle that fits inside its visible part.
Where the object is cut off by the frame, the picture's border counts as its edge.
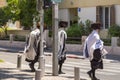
(114, 31)
(2, 33)
(107, 41)
(87, 27)
(75, 31)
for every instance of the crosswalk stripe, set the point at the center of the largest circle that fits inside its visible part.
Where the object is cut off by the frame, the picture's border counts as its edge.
(87, 63)
(111, 67)
(84, 70)
(80, 66)
(111, 70)
(75, 63)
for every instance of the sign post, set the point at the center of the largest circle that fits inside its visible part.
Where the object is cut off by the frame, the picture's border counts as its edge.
(40, 71)
(55, 36)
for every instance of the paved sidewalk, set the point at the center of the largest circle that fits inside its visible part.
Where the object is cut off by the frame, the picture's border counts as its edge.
(19, 50)
(8, 71)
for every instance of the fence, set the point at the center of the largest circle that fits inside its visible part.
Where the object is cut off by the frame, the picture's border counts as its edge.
(74, 40)
(107, 42)
(71, 40)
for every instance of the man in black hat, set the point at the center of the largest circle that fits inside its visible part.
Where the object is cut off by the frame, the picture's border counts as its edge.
(92, 50)
(62, 36)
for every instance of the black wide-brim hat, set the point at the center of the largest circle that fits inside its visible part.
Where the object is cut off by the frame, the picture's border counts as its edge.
(96, 26)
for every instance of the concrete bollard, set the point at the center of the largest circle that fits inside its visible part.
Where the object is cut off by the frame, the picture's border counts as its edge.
(114, 41)
(83, 41)
(38, 74)
(76, 73)
(11, 38)
(42, 65)
(19, 60)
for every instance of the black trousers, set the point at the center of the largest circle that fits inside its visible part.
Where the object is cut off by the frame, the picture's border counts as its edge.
(97, 61)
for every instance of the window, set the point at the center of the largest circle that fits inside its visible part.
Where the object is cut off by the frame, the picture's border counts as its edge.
(106, 17)
(103, 16)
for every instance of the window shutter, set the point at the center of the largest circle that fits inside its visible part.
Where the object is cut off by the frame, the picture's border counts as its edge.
(112, 15)
(98, 14)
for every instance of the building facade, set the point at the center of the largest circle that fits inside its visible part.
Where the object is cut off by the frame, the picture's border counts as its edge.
(3, 3)
(103, 11)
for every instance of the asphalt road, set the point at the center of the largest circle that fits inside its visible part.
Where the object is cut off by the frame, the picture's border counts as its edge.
(111, 69)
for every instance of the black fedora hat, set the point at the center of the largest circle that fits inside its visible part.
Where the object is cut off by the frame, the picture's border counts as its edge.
(96, 26)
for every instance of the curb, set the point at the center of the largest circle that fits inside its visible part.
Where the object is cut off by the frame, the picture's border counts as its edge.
(75, 56)
(46, 53)
(68, 56)
(9, 50)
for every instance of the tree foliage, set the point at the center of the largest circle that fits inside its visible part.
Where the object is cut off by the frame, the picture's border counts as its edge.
(2, 18)
(22, 10)
(48, 17)
(11, 11)
(28, 12)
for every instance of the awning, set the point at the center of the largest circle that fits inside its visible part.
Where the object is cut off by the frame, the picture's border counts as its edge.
(3, 3)
(87, 3)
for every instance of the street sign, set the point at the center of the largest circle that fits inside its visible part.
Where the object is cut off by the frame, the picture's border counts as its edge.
(56, 1)
(79, 9)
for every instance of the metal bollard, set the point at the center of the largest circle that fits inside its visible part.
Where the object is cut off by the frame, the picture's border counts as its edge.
(19, 60)
(38, 74)
(76, 73)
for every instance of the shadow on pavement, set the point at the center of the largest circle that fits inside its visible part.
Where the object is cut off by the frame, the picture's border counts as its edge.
(12, 73)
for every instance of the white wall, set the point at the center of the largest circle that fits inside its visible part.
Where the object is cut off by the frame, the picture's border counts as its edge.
(64, 14)
(87, 13)
(117, 7)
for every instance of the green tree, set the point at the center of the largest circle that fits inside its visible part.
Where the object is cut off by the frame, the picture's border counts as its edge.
(28, 12)
(9, 12)
(48, 17)
(3, 18)
(24, 11)
(12, 11)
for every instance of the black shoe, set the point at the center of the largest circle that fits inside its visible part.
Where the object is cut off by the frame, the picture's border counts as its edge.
(90, 74)
(32, 67)
(60, 72)
(94, 78)
(32, 70)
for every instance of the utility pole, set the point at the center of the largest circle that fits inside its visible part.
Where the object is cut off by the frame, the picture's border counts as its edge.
(55, 39)
(40, 4)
